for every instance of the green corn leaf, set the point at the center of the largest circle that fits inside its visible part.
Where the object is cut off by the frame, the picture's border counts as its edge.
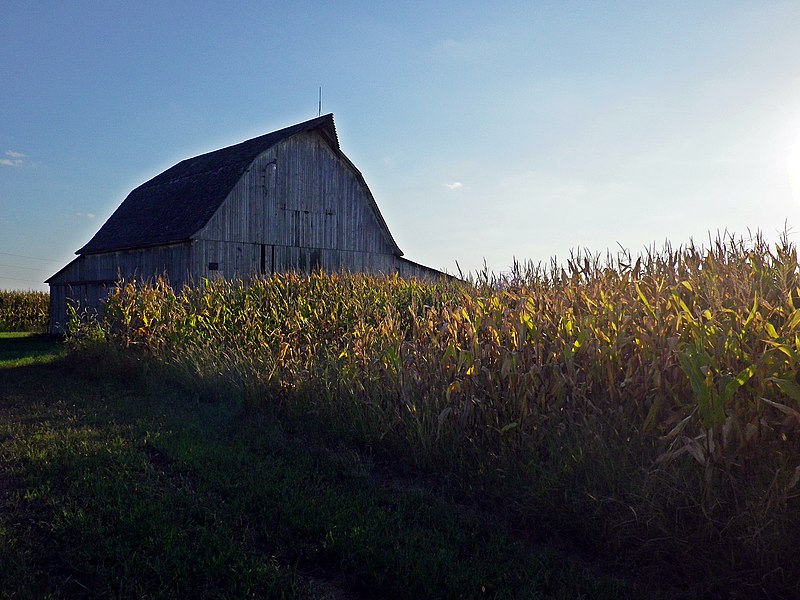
(752, 314)
(771, 330)
(652, 415)
(643, 298)
(733, 385)
(794, 320)
(788, 387)
(785, 349)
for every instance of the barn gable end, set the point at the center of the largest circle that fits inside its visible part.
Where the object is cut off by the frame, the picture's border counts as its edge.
(288, 200)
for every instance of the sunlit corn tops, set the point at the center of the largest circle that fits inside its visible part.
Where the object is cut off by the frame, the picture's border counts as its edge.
(693, 350)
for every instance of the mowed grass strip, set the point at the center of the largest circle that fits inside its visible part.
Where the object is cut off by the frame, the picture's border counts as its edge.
(113, 490)
(21, 348)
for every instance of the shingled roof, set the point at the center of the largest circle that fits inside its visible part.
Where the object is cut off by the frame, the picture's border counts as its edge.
(176, 204)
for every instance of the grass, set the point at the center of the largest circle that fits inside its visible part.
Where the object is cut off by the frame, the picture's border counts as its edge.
(131, 487)
(19, 349)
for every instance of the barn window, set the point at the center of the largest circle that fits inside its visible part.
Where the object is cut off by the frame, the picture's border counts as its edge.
(263, 259)
(213, 266)
(268, 176)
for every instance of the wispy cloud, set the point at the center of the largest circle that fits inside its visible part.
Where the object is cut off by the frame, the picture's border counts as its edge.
(456, 185)
(453, 47)
(87, 216)
(15, 159)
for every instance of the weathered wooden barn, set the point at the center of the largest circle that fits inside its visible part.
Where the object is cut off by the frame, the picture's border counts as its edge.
(287, 200)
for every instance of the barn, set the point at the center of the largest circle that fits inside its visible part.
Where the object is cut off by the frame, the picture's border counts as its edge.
(287, 200)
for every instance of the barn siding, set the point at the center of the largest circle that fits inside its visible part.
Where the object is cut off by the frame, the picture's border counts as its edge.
(87, 278)
(58, 308)
(236, 259)
(300, 193)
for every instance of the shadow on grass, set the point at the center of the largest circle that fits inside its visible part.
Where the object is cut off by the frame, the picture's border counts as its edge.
(85, 513)
(19, 349)
(146, 490)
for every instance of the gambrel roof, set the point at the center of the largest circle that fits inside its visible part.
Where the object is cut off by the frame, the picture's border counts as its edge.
(176, 204)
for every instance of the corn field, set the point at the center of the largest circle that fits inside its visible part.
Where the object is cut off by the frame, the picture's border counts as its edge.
(23, 311)
(660, 393)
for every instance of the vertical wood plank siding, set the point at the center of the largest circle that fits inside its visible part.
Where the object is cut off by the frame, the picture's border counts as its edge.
(144, 263)
(86, 279)
(300, 194)
(306, 206)
(58, 308)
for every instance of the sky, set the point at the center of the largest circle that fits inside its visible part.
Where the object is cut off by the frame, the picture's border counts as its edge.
(487, 132)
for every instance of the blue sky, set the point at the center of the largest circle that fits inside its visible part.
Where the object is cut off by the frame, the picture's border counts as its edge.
(486, 131)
